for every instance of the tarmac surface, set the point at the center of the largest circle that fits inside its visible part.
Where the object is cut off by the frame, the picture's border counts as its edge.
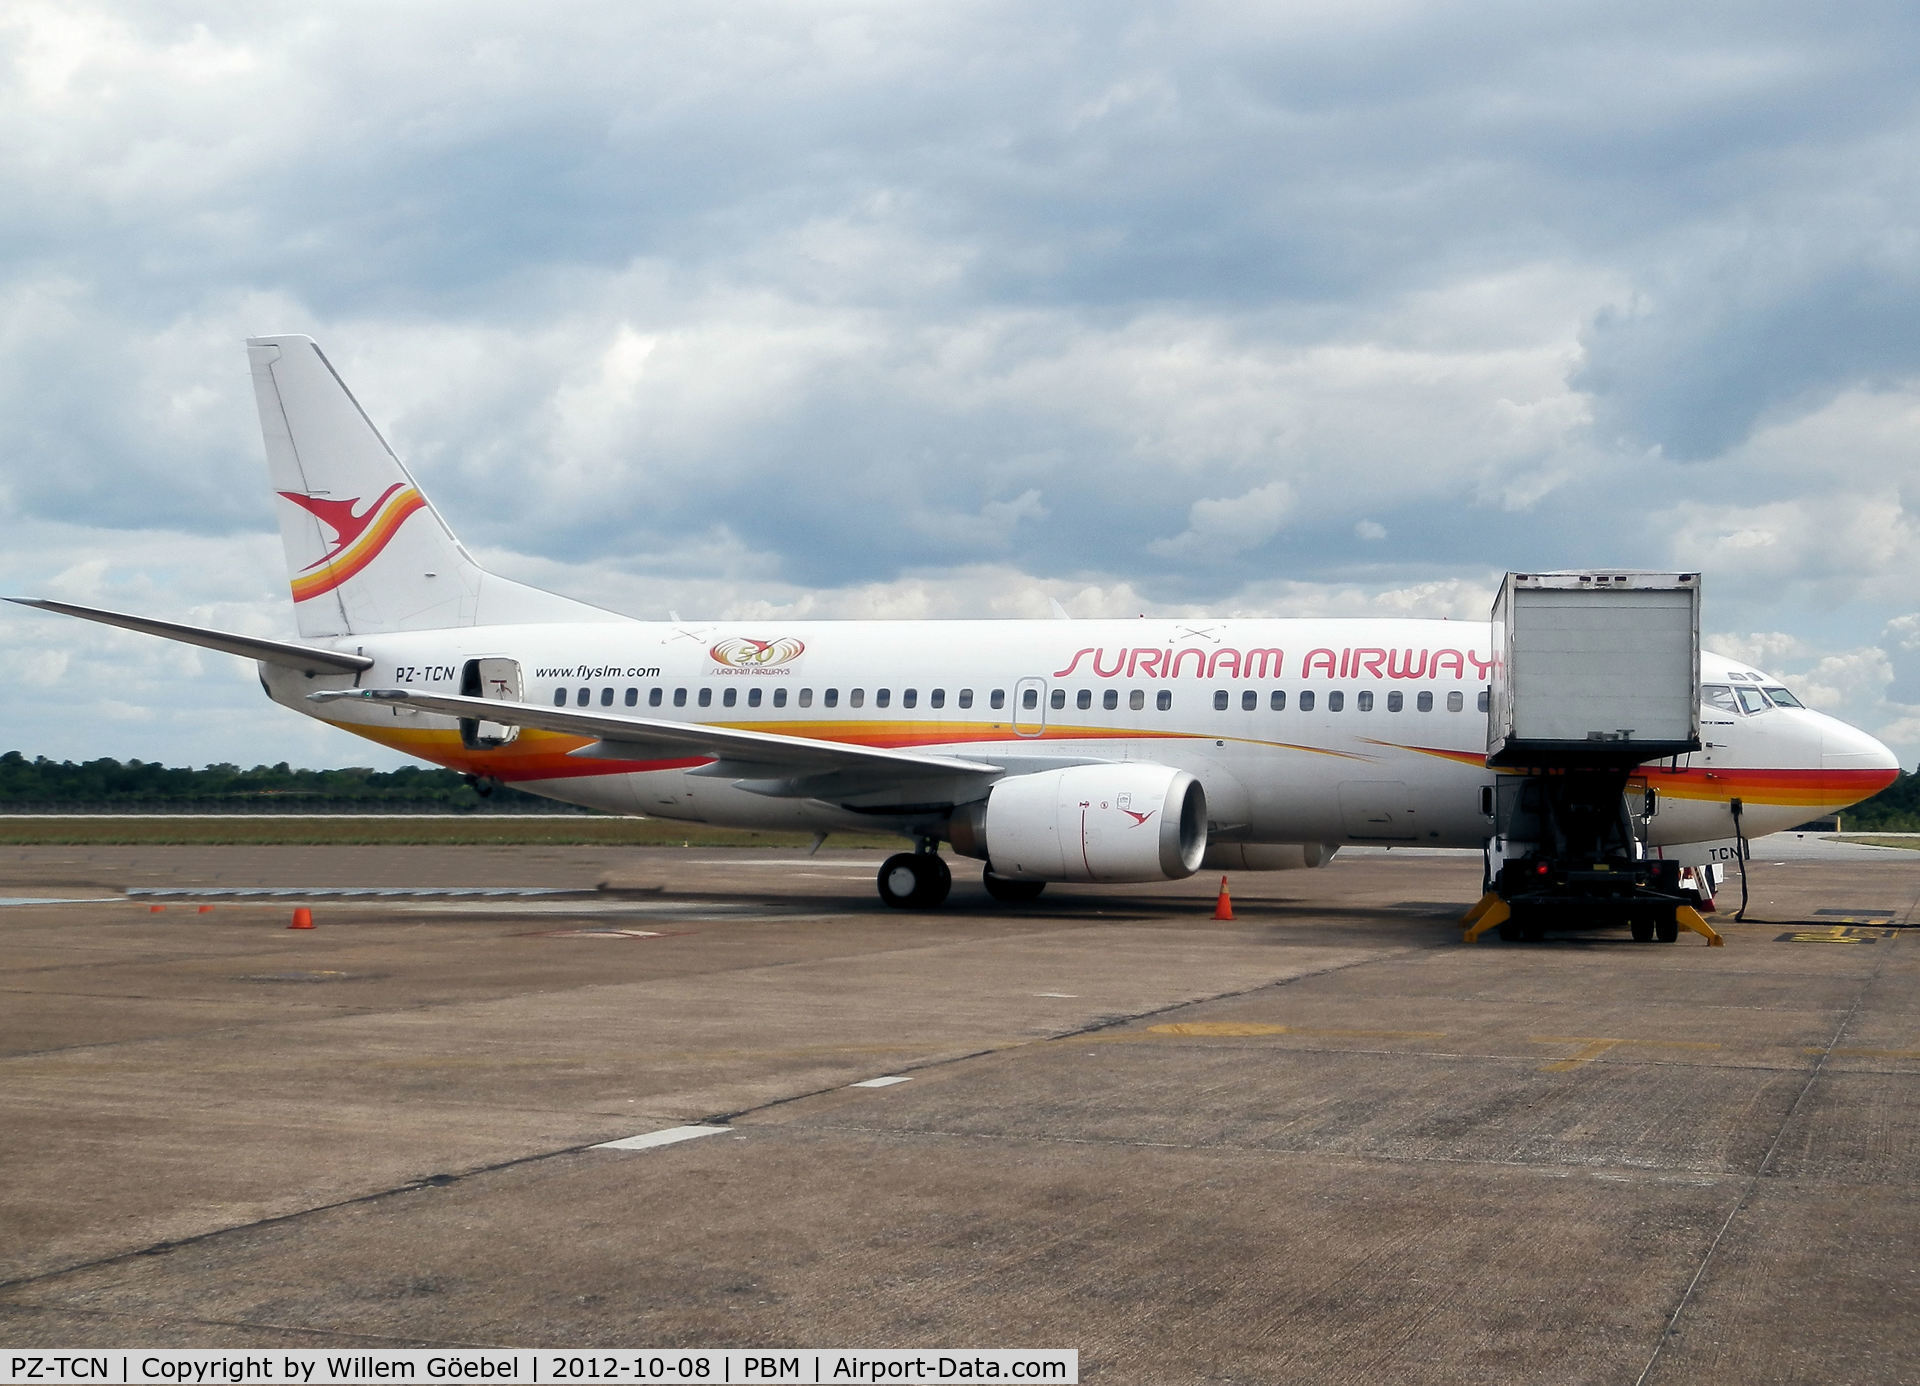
(1323, 1142)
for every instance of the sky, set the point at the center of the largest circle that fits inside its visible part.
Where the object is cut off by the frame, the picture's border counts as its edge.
(810, 310)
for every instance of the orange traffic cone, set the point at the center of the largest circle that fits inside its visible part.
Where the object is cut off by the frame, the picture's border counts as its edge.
(1223, 907)
(302, 918)
(204, 909)
(156, 909)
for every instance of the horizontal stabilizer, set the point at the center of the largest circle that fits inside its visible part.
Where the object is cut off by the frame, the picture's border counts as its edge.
(303, 658)
(757, 753)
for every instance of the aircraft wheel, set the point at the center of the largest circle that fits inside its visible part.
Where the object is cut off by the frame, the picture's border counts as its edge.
(1667, 928)
(1642, 926)
(1011, 892)
(914, 880)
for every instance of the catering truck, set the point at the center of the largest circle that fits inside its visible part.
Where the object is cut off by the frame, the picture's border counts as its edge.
(1595, 674)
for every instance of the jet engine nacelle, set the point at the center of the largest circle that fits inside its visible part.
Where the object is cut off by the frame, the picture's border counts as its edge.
(1267, 856)
(1130, 822)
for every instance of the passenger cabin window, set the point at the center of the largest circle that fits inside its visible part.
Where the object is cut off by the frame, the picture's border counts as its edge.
(581, 698)
(559, 697)
(779, 697)
(633, 697)
(1363, 700)
(1137, 699)
(1455, 702)
(1030, 699)
(679, 697)
(1249, 700)
(1424, 702)
(753, 697)
(997, 698)
(909, 697)
(1083, 699)
(1110, 699)
(1306, 700)
(606, 697)
(806, 697)
(937, 698)
(1057, 699)
(1396, 700)
(1751, 699)
(857, 698)
(1480, 703)
(1336, 700)
(1278, 701)
(730, 697)
(966, 697)
(882, 696)
(830, 698)
(1220, 697)
(1781, 698)
(706, 697)
(653, 697)
(1165, 700)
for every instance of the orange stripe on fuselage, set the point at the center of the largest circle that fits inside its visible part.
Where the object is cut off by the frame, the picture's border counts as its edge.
(1811, 787)
(539, 755)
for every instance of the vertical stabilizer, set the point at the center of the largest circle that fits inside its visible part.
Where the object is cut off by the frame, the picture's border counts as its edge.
(366, 550)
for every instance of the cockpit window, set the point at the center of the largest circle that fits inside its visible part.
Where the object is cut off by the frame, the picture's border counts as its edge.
(1782, 698)
(1751, 699)
(1718, 695)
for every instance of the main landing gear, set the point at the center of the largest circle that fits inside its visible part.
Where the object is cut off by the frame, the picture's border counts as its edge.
(920, 880)
(915, 880)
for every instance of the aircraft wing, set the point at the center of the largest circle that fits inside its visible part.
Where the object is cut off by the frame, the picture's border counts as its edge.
(306, 659)
(779, 765)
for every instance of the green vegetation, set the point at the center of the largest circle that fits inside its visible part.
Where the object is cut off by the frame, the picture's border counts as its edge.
(1895, 809)
(108, 786)
(202, 808)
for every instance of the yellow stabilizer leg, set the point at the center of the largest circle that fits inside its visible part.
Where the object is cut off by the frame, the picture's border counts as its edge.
(1489, 913)
(1689, 918)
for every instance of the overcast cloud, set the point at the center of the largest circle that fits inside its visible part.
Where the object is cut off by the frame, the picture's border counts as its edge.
(945, 310)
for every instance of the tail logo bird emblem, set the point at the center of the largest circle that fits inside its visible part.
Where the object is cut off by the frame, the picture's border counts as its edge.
(358, 535)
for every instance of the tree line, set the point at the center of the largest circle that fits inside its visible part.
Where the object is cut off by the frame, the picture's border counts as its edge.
(137, 786)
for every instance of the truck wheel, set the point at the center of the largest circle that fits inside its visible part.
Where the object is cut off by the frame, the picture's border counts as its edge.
(1642, 926)
(1667, 927)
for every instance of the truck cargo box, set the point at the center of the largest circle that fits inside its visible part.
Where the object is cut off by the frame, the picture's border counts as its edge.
(1595, 669)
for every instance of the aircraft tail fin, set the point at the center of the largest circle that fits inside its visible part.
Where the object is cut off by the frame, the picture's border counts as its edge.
(366, 550)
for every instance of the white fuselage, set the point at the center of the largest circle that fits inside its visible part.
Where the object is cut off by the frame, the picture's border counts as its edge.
(1311, 730)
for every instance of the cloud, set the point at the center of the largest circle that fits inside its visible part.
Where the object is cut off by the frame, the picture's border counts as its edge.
(1220, 528)
(853, 309)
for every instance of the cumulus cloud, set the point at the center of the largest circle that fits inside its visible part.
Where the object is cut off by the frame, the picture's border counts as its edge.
(854, 308)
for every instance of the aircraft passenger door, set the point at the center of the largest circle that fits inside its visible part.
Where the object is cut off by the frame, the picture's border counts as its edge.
(496, 679)
(1029, 707)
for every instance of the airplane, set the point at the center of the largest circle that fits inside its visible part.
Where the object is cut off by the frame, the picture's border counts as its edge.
(1050, 750)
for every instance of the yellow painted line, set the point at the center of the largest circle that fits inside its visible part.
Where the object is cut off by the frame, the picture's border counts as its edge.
(1586, 1056)
(1593, 1046)
(1234, 1029)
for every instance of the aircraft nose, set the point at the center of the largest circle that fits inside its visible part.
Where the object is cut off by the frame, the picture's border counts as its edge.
(1848, 748)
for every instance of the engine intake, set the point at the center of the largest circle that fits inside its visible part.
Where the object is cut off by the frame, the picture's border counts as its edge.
(1129, 822)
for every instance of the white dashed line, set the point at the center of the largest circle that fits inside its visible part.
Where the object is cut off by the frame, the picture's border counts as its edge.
(673, 1135)
(886, 1082)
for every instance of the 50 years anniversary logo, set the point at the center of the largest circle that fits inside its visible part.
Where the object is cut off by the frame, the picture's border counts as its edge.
(742, 654)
